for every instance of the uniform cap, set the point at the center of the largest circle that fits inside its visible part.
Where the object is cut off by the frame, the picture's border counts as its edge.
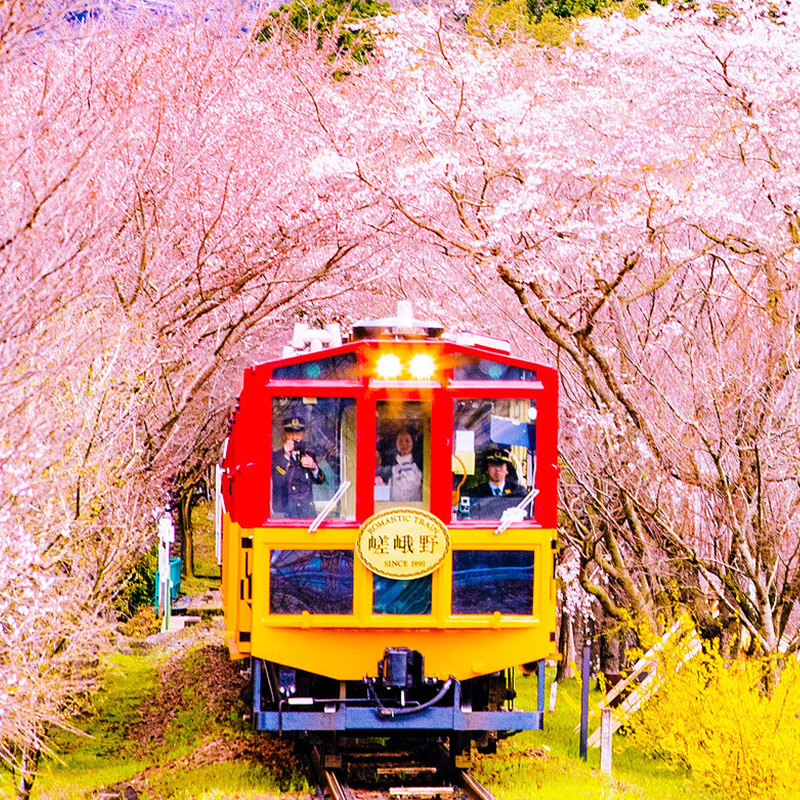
(294, 423)
(499, 456)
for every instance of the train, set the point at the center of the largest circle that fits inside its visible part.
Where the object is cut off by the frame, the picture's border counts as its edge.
(388, 510)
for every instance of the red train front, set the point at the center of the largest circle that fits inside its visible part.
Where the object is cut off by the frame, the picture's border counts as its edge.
(389, 533)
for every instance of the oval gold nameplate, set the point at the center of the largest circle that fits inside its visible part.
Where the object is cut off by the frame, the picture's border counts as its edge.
(402, 543)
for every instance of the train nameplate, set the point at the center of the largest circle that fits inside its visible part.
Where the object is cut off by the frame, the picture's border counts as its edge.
(403, 543)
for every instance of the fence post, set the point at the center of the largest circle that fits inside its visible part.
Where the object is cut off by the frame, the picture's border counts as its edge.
(606, 730)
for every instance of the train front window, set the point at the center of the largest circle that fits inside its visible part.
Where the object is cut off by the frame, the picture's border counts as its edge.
(485, 581)
(313, 454)
(473, 368)
(494, 456)
(317, 581)
(391, 596)
(402, 458)
(342, 367)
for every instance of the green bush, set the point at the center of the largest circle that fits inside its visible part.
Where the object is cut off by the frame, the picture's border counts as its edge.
(564, 8)
(139, 588)
(548, 22)
(569, 9)
(732, 723)
(341, 19)
(143, 623)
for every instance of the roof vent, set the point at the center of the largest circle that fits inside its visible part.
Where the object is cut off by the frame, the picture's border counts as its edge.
(308, 340)
(403, 326)
(486, 342)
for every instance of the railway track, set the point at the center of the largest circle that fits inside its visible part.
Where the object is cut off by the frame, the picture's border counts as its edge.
(396, 774)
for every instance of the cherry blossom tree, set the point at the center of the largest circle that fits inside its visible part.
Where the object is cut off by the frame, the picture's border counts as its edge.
(636, 194)
(159, 224)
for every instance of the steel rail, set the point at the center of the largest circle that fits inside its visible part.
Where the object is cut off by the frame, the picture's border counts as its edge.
(461, 778)
(473, 788)
(335, 787)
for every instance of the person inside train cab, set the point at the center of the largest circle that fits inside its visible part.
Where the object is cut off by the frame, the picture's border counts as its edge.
(501, 483)
(401, 472)
(294, 473)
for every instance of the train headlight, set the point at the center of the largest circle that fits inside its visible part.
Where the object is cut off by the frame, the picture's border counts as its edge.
(422, 367)
(389, 366)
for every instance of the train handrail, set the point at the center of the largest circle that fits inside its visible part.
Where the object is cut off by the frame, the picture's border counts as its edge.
(329, 506)
(517, 513)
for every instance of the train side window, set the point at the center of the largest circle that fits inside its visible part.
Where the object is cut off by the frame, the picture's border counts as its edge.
(402, 475)
(313, 453)
(494, 456)
(485, 581)
(317, 581)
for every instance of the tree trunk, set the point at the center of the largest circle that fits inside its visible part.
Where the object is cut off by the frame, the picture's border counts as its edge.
(566, 646)
(28, 771)
(187, 533)
(611, 656)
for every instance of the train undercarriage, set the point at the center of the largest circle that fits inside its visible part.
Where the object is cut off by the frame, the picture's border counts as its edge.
(400, 699)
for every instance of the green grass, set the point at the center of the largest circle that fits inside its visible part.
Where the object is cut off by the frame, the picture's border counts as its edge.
(221, 781)
(128, 680)
(242, 780)
(192, 762)
(546, 764)
(100, 755)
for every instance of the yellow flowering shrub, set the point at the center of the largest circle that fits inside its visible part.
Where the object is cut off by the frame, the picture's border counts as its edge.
(734, 723)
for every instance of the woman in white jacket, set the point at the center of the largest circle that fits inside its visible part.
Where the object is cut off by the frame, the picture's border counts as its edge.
(402, 473)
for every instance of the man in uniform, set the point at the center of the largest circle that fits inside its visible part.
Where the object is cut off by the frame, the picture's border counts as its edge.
(500, 485)
(294, 472)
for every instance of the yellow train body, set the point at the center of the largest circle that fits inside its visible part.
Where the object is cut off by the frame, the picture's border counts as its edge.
(349, 647)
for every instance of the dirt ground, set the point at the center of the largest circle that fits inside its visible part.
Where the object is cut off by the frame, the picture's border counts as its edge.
(198, 681)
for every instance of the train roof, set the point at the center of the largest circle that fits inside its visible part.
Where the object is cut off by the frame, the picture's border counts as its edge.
(327, 346)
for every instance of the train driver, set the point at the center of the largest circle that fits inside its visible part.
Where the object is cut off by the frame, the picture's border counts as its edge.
(501, 483)
(294, 472)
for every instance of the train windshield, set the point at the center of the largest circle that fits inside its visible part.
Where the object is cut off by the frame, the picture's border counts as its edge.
(402, 478)
(494, 456)
(402, 459)
(313, 454)
(343, 367)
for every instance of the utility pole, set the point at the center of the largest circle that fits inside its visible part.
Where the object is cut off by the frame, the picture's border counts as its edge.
(585, 670)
